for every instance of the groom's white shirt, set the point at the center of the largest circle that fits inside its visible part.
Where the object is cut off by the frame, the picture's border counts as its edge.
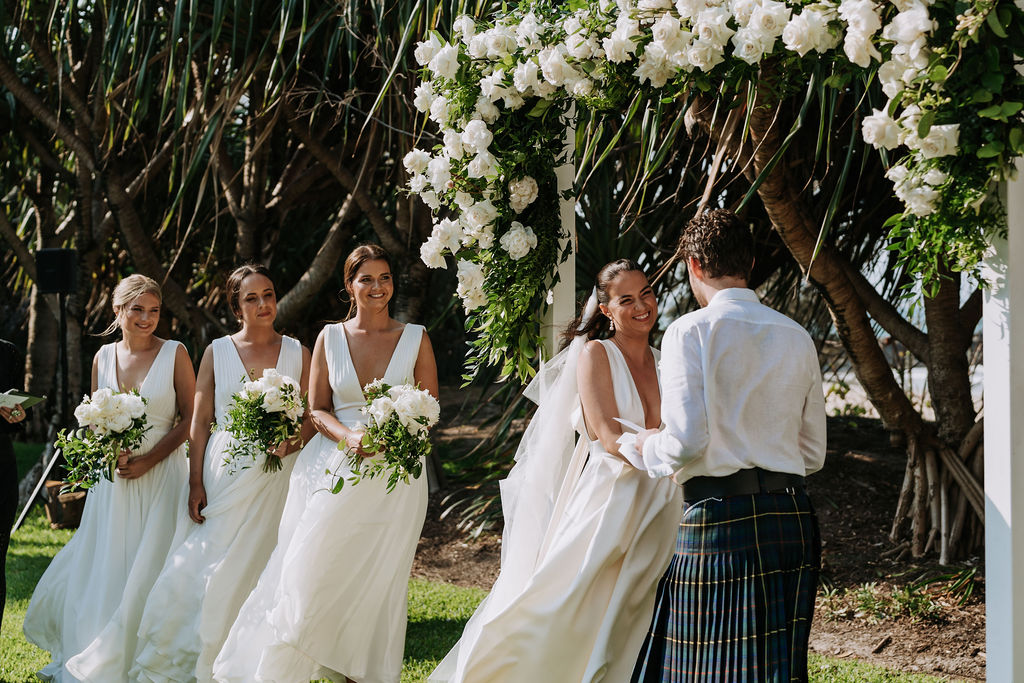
(741, 388)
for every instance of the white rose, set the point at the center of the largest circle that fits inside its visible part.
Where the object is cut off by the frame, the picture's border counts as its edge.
(880, 130)
(86, 414)
(522, 193)
(483, 165)
(750, 45)
(119, 422)
(480, 214)
(859, 49)
(652, 5)
(452, 144)
(668, 32)
(486, 109)
(465, 26)
(416, 161)
(688, 9)
(743, 9)
(808, 31)
(491, 86)
(618, 49)
(424, 97)
(426, 50)
(500, 41)
(862, 16)
(445, 62)
(439, 110)
(518, 241)
(135, 406)
(470, 285)
(897, 174)
(477, 47)
(380, 409)
(272, 400)
(448, 234)
(712, 26)
(476, 137)
(439, 172)
(704, 55)
(463, 200)
(429, 197)
(654, 66)
(554, 67)
(941, 141)
(935, 177)
(484, 235)
(431, 255)
(525, 76)
(910, 25)
(770, 18)
(921, 200)
(583, 87)
(528, 32)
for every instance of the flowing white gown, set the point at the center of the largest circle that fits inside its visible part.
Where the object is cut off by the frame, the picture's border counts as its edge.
(575, 606)
(207, 577)
(86, 607)
(332, 601)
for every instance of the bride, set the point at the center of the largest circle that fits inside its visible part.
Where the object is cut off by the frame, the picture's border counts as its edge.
(87, 606)
(332, 600)
(207, 576)
(587, 536)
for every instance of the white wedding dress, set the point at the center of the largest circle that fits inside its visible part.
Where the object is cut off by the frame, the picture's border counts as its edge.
(86, 607)
(577, 585)
(207, 577)
(332, 600)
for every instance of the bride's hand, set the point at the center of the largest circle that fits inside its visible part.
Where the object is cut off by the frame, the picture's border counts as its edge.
(196, 502)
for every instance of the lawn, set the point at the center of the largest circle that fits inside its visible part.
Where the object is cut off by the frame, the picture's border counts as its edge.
(437, 613)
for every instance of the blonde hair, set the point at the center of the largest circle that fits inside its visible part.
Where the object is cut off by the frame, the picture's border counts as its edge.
(128, 290)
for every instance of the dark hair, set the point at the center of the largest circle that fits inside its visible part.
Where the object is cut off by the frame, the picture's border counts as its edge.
(599, 326)
(233, 286)
(355, 260)
(721, 243)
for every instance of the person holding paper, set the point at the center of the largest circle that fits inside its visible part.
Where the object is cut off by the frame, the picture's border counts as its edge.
(586, 535)
(11, 373)
(744, 423)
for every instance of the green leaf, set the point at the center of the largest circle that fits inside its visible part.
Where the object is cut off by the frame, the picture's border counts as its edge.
(938, 73)
(993, 112)
(1017, 140)
(992, 149)
(925, 124)
(993, 23)
(1011, 108)
(981, 95)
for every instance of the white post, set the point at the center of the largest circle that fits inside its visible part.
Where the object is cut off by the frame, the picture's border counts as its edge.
(1004, 476)
(563, 306)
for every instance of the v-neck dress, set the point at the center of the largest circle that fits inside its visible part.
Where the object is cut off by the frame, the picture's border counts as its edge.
(332, 601)
(582, 613)
(208, 575)
(86, 607)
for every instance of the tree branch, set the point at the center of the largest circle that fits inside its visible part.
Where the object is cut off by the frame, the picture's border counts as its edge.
(887, 315)
(21, 253)
(970, 315)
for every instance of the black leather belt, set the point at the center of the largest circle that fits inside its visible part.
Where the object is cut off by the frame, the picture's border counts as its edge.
(741, 483)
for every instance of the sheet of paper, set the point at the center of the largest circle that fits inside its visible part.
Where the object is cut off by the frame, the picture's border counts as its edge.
(12, 398)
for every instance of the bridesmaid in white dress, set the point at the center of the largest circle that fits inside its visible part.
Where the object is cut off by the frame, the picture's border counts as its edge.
(332, 601)
(207, 577)
(87, 606)
(587, 536)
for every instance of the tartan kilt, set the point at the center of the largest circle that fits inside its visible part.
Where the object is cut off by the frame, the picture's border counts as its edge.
(736, 603)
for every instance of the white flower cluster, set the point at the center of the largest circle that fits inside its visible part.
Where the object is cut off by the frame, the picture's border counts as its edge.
(280, 394)
(107, 411)
(414, 408)
(917, 189)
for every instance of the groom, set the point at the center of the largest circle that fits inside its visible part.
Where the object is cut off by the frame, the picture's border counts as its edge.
(744, 423)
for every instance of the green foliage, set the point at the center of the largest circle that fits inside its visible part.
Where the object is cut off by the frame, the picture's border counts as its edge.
(259, 430)
(91, 452)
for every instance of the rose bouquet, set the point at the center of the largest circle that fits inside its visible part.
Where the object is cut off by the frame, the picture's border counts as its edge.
(398, 419)
(109, 423)
(267, 412)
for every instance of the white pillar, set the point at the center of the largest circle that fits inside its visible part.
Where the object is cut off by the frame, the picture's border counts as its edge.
(1004, 437)
(563, 306)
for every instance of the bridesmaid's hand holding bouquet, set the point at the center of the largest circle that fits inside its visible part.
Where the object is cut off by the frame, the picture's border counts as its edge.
(110, 424)
(264, 415)
(398, 419)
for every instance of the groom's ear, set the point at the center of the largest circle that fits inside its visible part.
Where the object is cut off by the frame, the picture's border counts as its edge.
(694, 266)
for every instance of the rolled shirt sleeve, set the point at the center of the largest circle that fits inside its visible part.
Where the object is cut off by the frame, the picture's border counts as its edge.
(813, 426)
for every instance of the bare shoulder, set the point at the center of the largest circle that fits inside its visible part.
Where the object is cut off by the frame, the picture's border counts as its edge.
(593, 353)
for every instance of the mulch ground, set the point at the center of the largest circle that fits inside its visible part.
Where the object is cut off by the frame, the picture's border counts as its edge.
(855, 496)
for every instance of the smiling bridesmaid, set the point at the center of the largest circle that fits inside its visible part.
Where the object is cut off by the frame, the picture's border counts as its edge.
(87, 606)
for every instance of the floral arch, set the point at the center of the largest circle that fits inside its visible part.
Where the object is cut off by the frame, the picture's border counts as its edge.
(503, 92)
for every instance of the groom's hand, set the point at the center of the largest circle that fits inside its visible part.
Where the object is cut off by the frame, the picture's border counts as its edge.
(641, 439)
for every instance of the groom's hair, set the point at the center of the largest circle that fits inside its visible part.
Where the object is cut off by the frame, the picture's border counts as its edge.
(721, 243)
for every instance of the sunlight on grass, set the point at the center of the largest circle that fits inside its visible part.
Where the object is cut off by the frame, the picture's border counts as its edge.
(437, 614)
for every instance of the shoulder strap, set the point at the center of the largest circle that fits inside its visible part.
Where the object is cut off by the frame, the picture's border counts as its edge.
(225, 363)
(291, 357)
(106, 372)
(408, 349)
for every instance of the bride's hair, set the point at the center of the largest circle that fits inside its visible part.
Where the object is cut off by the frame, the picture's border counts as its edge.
(355, 261)
(599, 326)
(128, 290)
(233, 286)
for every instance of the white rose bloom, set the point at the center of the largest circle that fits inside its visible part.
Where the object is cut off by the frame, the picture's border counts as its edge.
(102, 398)
(862, 16)
(712, 26)
(273, 401)
(935, 177)
(500, 41)
(654, 66)
(476, 137)
(770, 18)
(453, 144)
(439, 173)
(528, 32)
(380, 409)
(445, 62)
(750, 45)
(860, 50)
(897, 174)
(808, 31)
(448, 234)
(424, 97)
(909, 118)
(941, 141)
(477, 47)
(653, 5)
(481, 214)
(921, 200)
(512, 100)
(618, 48)
(704, 55)
(743, 9)
(429, 197)
(910, 25)
(135, 405)
(583, 87)
(430, 254)
(554, 67)
(416, 161)
(463, 200)
(669, 34)
(522, 193)
(484, 236)
(491, 86)
(426, 50)
(518, 241)
(890, 75)
(470, 285)
(465, 26)
(439, 111)
(525, 76)
(119, 422)
(86, 414)
(688, 9)
(487, 110)
(483, 165)
(880, 130)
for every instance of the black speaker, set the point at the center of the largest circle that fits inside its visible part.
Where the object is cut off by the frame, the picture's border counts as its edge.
(57, 271)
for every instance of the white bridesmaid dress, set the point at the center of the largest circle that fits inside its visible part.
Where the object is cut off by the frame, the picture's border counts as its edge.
(207, 577)
(578, 612)
(332, 601)
(87, 606)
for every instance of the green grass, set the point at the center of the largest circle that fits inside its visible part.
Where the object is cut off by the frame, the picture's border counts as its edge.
(437, 614)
